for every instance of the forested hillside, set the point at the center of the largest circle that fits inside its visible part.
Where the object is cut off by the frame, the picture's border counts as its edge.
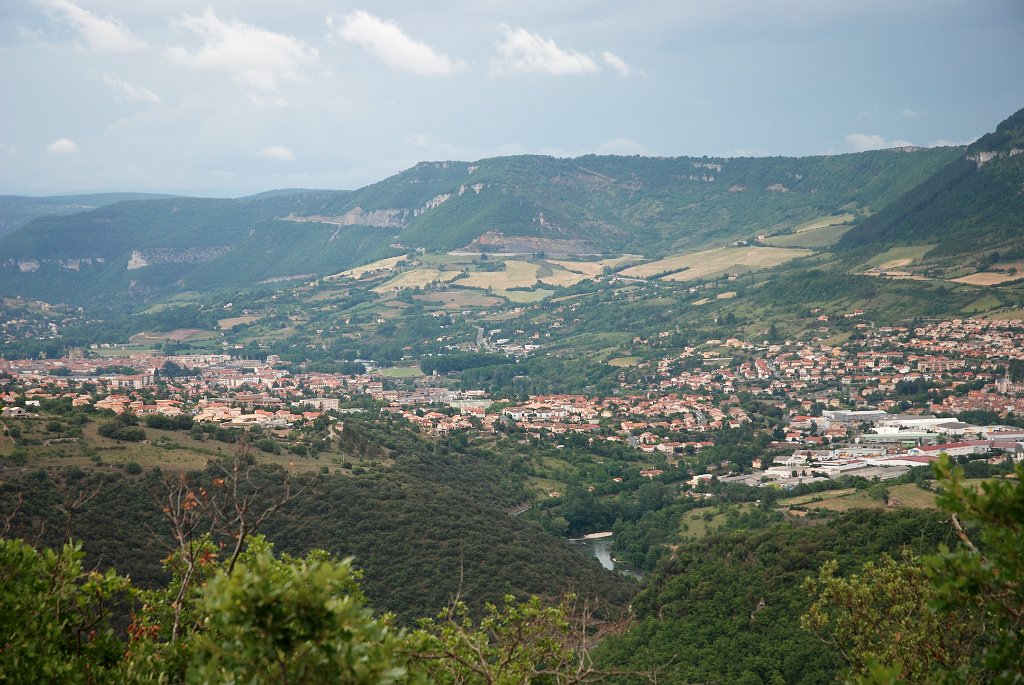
(727, 609)
(141, 247)
(654, 206)
(434, 525)
(18, 210)
(972, 203)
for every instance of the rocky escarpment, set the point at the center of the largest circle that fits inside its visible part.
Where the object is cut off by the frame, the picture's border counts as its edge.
(173, 255)
(29, 265)
(983, 158)
(390, 217)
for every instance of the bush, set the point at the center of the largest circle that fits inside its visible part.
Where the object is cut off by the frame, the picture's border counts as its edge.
(17, 458)
(160, 421)
(292, 620)
(116, 430)
(268, 445)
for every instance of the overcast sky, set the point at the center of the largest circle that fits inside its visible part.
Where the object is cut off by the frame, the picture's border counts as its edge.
(231, 97)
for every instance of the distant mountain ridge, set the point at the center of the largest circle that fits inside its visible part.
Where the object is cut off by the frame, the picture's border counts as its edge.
(652, 206)
(18, 210)
(586, 205)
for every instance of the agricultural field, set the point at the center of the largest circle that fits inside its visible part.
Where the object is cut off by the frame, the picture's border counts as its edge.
(716, 262)
(180, 334)
(543, 486)
(114, 352)
(558, 277)
(457, 299)
(173, 450)
(999, 273)
(1005, 315)
(824, 222)
(899, 257)
(400, 372)
(594, 269)
(327, 294)
(700, 523)
(984, 303)
(387, 264)
(516, 274)
(526, 296)
(801, 500)
(229, 323)
(416, 278)
(163, 306)
(903, 495)
(451, 260)
(812, 238)
(987, 278)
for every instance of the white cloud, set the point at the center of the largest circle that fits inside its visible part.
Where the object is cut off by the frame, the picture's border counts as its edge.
(62, 146)
(277, 153)
(616, 63)
(131, 91)
(101, 34)
(908, 113)
(525, 52)
(419, 140)
(862, 142)
(267, 101)
(255, 57)
(751, 152)
(387, 40)
(942, 142)
(622, 146)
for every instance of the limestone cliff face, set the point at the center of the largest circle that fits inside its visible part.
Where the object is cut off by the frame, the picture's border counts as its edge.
(140, 259)
(983, 158)
(27, 266)
(391, 217)
(379, 218)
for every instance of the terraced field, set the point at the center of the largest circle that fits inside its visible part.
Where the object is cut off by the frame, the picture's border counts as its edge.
(717, 262)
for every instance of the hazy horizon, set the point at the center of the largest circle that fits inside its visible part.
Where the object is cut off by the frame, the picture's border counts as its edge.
(228, 99)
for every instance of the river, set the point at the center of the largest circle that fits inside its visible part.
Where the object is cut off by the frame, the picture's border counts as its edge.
(601, 549)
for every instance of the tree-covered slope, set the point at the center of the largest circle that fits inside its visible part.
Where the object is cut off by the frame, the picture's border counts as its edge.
(140, 245)
(727, 609)
(18, 210)
(433, 525)
(976, 201)
(279, 250)
(654, 206)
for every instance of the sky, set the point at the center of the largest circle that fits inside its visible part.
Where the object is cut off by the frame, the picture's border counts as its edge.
(233, 97)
